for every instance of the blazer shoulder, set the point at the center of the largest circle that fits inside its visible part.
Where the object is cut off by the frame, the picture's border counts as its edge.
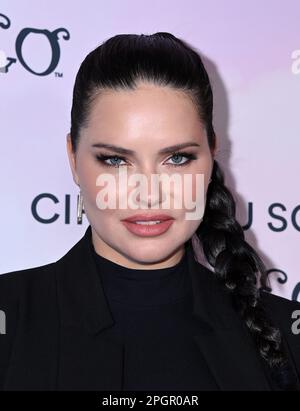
(16, 284)
(285, 315)
(35, 279)
(284, 312)
(12, 275)
(21, 290)
(282, 306)
(11, 281)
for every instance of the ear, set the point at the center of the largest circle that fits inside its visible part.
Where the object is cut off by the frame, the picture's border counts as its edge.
(72, 159)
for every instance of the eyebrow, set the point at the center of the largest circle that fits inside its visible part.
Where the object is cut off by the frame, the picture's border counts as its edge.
(166, 150)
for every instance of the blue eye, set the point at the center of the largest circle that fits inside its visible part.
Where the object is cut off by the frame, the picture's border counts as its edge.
(189, 157)
(103, 159)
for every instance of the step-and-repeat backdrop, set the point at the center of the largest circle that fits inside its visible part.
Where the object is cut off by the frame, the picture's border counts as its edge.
(252, 52)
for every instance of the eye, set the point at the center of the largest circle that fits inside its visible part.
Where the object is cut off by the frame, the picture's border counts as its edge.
(115, 160)
(178, 157)
(103, 159)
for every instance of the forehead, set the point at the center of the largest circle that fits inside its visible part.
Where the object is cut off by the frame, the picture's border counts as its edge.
(145, 104)
(151, 114)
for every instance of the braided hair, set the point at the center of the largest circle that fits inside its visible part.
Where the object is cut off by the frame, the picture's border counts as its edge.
(240, 269)
(166, 60)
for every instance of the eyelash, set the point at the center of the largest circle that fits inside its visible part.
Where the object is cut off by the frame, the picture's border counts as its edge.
(190, 157)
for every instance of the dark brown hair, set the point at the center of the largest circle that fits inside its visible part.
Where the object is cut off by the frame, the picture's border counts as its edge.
(163, 59)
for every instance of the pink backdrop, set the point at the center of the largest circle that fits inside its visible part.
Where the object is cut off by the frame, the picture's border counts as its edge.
(252, 52)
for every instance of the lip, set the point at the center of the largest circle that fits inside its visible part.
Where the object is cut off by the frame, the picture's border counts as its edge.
(148, 230)
(148, 217)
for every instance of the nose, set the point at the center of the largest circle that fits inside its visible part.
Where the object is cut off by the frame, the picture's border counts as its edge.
(151, 190)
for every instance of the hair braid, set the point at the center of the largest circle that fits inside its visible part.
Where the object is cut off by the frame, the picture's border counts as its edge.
(240, 269)
(164, 59)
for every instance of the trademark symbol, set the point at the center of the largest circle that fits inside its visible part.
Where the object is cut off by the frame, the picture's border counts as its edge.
(58, 74)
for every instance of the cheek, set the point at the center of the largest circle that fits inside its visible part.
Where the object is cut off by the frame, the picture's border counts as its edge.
(199, 188)
(100, 189)
(194, 187)
(88, 172)
(200, 183)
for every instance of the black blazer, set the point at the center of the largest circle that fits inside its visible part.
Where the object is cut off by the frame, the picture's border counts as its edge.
(57, 316)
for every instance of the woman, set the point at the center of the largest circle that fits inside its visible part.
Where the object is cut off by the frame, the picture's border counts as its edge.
(131, 306)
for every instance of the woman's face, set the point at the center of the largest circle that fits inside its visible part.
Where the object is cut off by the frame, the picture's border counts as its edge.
(144, 121)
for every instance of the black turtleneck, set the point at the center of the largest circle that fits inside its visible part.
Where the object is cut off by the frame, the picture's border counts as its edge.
(152, 310)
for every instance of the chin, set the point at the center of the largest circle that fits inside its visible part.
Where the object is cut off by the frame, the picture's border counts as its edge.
(150, 254)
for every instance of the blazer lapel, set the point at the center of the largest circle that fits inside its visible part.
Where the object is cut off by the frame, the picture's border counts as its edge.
(74, 348)
(89, 359)
(224, 341)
